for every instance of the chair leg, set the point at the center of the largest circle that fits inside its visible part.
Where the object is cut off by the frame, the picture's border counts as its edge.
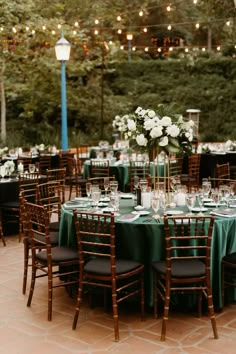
(78, 303)
(166, 312)
(212, 313)
(115, 313)
(1, 230)
(50, 294)
(33, 277)
(26, 264)
(155, 294)
(200, 304)
(142, 295)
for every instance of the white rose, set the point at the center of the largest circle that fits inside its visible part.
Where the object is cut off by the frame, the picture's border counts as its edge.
(151, 113)
(149, 124)
(163, 141)
(141, 140)
(173, 130)
(166, 121)
(156, 132)
(131, 124)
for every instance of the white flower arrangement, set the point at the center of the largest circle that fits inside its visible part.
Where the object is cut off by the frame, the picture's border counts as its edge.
(162, 130)
(9, 167)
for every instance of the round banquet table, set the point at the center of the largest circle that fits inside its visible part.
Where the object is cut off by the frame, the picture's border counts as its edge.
(143, 241)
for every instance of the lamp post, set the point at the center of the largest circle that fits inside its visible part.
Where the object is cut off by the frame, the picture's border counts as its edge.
(62, 49)
(129, 37)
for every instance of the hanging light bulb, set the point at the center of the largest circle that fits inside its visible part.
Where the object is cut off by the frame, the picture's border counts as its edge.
(168, 8)
(159, 50)
(59, 26)
(186, 50)
(76, 24)
(96, 32)
(203, 49)
(169, 27)
(74, 32)
(44, 27)
(197, 25)
(14, 29)
(118, 18)
(145, 29)
(195, 2)
(96, 21)
(119, 31)
(53, 32)
(27, 28)
(171, 49)
(228, 23)
(140, 13)
(33, 31)
(218, 48)
(134, 49)
(121, 47)
(146, 49)
(1, 29)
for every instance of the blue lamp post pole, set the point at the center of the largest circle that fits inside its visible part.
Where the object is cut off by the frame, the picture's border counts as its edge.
(62, 49)
(129, 37)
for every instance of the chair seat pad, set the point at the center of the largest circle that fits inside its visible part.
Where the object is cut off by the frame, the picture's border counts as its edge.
(102, 266)
(230, 258)
(182, 268)
(59, 254)
(12, 204)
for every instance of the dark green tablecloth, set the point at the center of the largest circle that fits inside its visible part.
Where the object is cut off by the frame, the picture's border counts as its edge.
(144, 242)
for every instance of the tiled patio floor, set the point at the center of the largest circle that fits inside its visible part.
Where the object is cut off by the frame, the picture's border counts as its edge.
(26, 330)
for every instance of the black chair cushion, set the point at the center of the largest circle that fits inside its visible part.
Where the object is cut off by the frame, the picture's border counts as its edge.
(59, 254)
(102, 266)
(12, 204)
(230, 258)
(182, 268)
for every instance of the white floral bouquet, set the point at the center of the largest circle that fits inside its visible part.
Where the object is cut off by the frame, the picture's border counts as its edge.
(3, 150)
(161, 130)
(9, 167)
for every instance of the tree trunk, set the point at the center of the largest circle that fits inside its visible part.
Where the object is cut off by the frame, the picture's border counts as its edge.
(3, 106)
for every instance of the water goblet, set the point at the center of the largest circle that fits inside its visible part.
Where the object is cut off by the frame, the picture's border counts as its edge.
(114, 202)
(190, 201)
(155, 206)
(215, 195)
(113, 187)
(106, 183)
(88, 189)
(96, 195)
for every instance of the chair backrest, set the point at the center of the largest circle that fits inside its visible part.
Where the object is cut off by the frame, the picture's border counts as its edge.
(95, 236)
(49, 194)
(64, 157)
(45, 162)
(27, 185)
(99, 168)
(82, 152)
(58, 174)
(37, 226)
(194, 165)
(223, 172)
(26, 161)
(188, 238)
(175, 165)
(100, 181)
(138, 169)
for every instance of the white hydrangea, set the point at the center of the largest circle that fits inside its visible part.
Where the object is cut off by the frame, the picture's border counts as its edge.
(151, 113)
(149, 124)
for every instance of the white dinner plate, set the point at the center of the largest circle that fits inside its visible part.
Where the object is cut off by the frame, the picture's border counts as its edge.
(210, 204)
(199, 209)
(141, 212)
(174, 212)
(139, 207)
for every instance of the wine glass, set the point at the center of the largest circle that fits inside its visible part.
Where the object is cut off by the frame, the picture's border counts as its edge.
(113, 187)
(215, 195)
(31, 168)
(106, 184)
(200, 198)
(88, 189)
(190, 201)
(155, 206)
(136, 182)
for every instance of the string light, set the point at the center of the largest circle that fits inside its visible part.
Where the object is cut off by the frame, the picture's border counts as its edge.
(44, 28)
(169, 27)
(203, 49)
(134, 49)
(218, 48)
(186, 50)
(76, 24)
(110, 42)
(53, 32)
(145, 29)
(96, 32)
(119, 31)
(27, 28)
(96, 22)
(59, 26)
(197, 25)
(140, 13)
(118, 18)
(33, 31)
(159, 50)
(14, 29)
(170, 49)
(228, 23)
(74, 32)
(168, 8)
(1, 29)
(122, 47)
(146, 49)
(195, 2)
